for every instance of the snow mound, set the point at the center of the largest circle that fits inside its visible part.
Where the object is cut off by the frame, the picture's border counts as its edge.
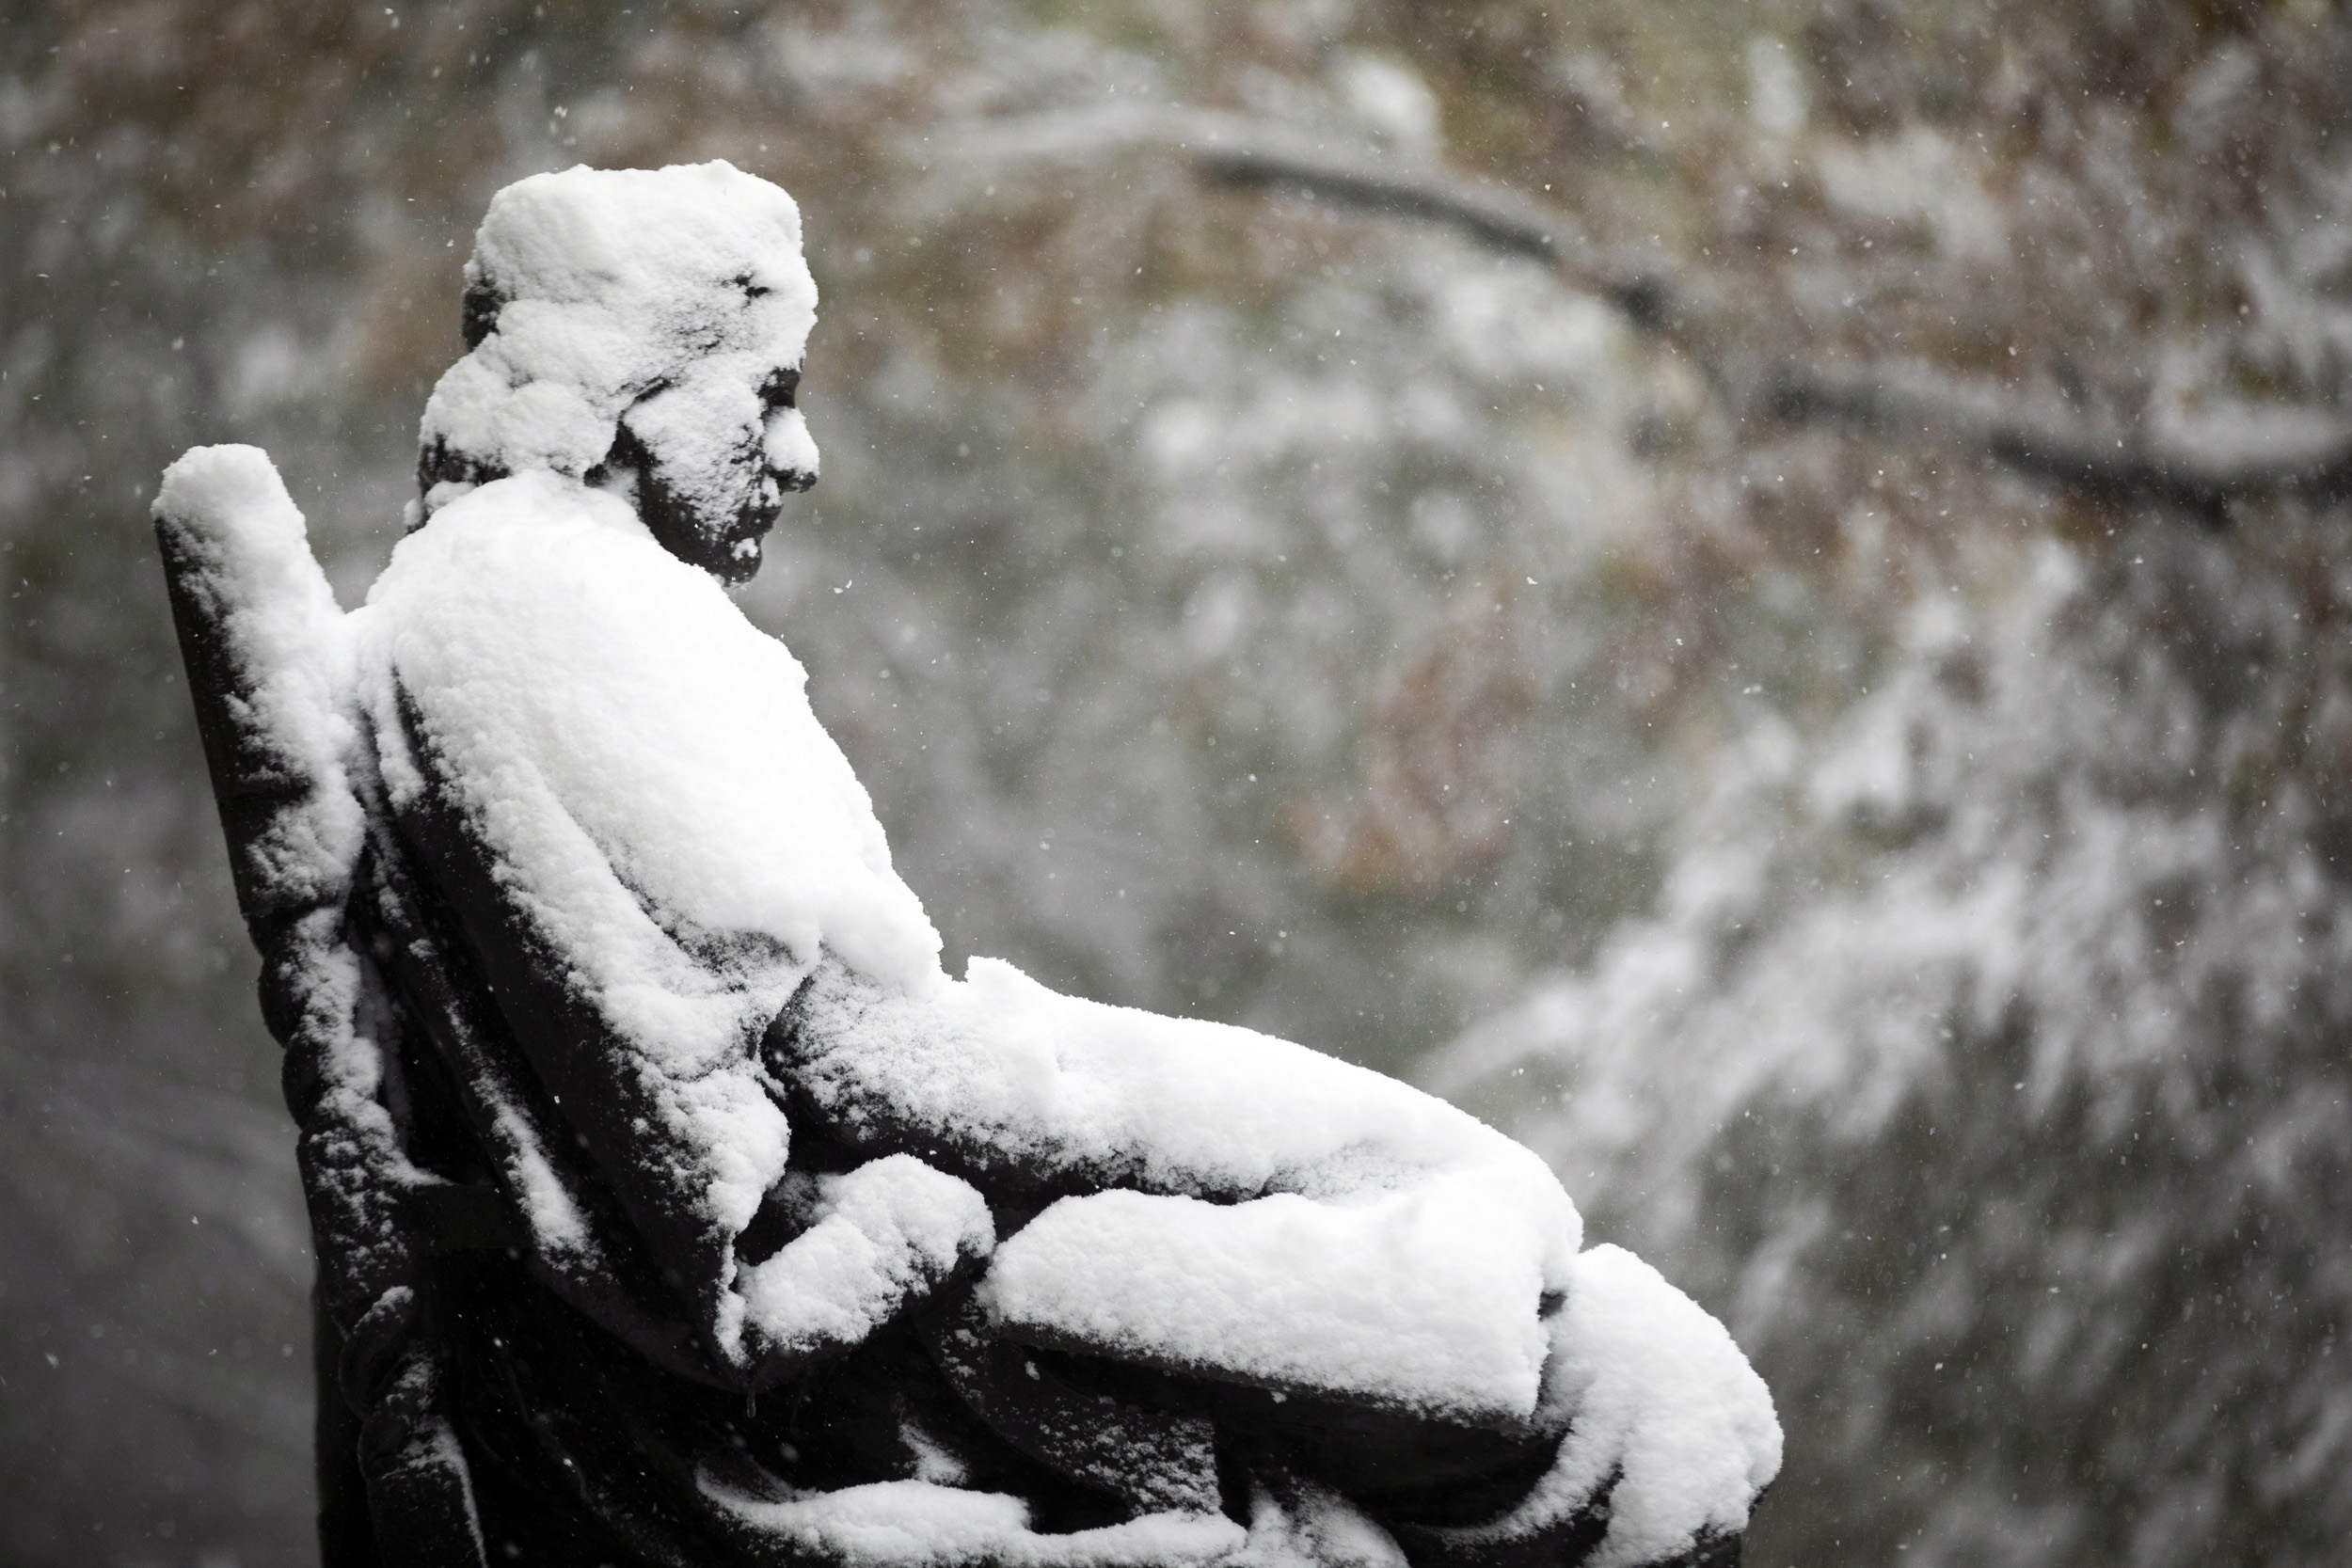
(1421, 1301)
(591, 289)
(877, 1238)
(1295, 1523)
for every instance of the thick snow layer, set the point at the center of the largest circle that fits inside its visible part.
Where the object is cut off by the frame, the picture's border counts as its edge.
(1654, 1391)
(665, 814)
(643, 759)
(915, 1524)
(621, 283)
(1301, 1222)
(1423, 1300)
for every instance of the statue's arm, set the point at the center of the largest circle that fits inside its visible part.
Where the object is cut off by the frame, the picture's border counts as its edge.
(1221, 1205)
(268, 662)
(1213, 1201)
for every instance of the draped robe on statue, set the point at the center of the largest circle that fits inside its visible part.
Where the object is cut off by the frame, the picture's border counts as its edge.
(674, 1204)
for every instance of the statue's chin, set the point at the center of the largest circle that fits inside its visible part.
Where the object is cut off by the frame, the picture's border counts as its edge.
(727, 544)
(711, 518)
(731, 553)
(743, 558)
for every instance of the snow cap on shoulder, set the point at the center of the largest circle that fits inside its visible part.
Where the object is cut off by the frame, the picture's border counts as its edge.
(589, 289)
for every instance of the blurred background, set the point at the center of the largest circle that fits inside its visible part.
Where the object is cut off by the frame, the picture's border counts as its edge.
(1755, 591)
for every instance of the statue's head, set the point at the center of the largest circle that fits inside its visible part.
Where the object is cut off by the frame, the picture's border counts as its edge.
(643, 329)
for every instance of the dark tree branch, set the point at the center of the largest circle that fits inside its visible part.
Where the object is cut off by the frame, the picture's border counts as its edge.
(1502, 220)
(1236, 149)
(2196, 467)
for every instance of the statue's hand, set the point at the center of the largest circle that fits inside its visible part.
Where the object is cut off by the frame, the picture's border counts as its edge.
(869, 1244)
(1670, 1438)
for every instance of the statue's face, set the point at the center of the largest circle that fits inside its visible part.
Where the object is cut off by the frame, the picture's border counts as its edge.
(640, 330)
(714, 452)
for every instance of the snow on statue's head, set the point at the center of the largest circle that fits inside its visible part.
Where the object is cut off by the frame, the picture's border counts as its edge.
(636, 327)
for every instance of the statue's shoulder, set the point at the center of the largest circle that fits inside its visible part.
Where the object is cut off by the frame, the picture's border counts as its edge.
(518, 534)
(536, 498)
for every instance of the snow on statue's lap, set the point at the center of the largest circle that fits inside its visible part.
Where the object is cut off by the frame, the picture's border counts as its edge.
(1424, 1301)
(1290, 1221)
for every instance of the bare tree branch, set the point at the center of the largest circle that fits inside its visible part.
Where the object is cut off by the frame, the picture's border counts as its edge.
(1502, 220)
(2197, 466)
(1337, 168)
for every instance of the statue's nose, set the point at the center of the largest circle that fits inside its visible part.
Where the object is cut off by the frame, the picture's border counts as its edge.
(791, 451)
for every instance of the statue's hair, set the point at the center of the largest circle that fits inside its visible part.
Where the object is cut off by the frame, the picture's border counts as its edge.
(589, 289)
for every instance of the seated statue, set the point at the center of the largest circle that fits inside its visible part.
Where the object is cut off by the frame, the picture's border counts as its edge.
(673, 1204)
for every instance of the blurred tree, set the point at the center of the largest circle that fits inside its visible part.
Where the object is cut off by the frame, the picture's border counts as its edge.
(1984, 1048)
(1751, 386)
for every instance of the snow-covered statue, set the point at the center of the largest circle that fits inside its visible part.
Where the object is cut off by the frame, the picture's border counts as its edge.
(672, 1205)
